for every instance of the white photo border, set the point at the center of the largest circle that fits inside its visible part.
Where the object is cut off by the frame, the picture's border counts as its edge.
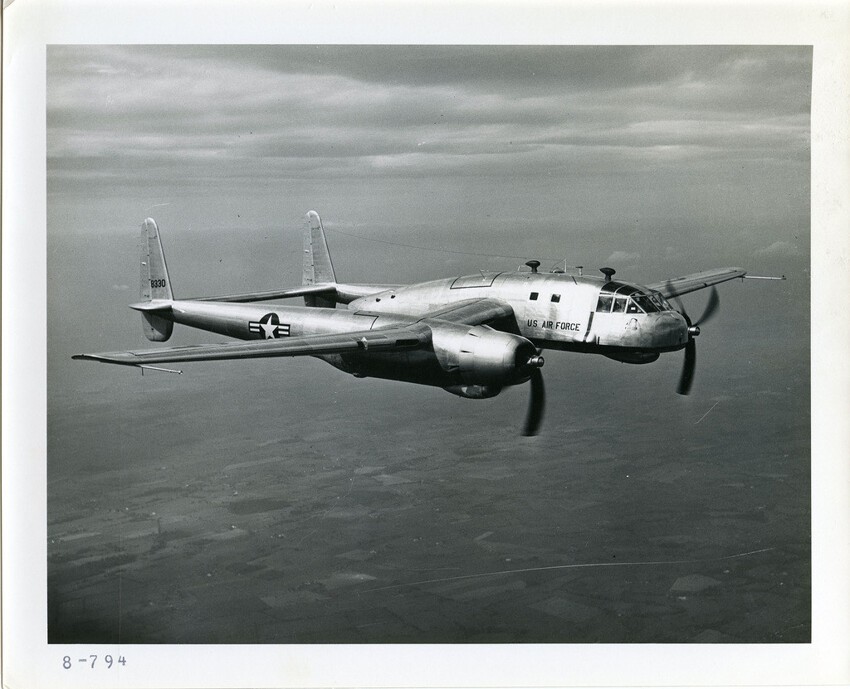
(31, 25)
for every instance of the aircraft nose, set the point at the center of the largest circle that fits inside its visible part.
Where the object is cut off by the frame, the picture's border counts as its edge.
(671, 329)
(683, 330)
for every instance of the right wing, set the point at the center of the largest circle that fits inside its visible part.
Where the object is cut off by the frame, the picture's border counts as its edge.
(342, 293)
(387, 339)
(272, 294)
(691, 283)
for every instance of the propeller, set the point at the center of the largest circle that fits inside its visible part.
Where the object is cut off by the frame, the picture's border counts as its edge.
(689, 365)
(686, 379)
(537, 399)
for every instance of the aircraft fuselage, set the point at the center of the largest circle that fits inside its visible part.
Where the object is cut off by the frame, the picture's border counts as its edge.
(552, 311)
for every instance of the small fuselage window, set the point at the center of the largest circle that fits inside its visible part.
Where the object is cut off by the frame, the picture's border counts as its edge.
(533, 296)
(556, 298)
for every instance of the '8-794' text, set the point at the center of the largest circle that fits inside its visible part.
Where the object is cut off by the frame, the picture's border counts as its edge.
(92, 661)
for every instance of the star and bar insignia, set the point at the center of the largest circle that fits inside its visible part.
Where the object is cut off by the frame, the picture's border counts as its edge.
(269, 327)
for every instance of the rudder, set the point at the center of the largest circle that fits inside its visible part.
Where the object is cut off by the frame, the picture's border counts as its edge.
(154, 283)
(318, 267)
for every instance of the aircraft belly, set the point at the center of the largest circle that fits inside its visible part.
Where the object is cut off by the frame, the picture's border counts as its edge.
(416, 366)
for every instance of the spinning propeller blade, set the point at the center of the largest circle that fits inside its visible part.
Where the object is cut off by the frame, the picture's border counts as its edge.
(536, 403)
(688, 368)
(710, 308)
(690, 363)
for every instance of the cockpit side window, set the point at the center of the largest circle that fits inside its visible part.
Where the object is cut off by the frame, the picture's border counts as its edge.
(619, 304)
(643, 303)
(604, 303)
(660, 302)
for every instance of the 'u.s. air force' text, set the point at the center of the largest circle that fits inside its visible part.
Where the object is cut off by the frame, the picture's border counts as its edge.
(553, 325)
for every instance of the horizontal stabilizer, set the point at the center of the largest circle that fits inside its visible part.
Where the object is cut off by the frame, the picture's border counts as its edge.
(273, 294)
(152, 306)
(385, 339)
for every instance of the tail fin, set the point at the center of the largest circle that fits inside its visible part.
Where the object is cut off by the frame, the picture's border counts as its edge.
(155, 283)
(318, 268)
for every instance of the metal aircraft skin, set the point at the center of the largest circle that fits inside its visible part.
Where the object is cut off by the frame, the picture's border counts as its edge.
(472, 335)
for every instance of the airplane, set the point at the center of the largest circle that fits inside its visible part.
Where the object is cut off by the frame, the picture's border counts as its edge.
(473, 335)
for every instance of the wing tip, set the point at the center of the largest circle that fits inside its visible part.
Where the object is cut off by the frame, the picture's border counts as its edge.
(108, 358)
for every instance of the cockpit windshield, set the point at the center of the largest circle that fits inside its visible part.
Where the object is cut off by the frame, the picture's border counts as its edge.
(660, 302)
(618, 297)
(645, 304)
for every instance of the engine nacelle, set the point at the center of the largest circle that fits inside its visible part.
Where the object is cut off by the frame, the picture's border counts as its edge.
(485, 357)
(474, 392)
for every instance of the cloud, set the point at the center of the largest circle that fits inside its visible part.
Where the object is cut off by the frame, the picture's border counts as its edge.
(623, 257)
(582, 139)
(779, 248)
(179, 105)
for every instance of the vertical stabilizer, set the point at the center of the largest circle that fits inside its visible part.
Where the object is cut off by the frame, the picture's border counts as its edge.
(155, 283)
(318, 268)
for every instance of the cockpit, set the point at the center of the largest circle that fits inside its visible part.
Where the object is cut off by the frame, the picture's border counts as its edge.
(618, 297)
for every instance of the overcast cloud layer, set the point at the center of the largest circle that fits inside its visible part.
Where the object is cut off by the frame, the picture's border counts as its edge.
(651, 144)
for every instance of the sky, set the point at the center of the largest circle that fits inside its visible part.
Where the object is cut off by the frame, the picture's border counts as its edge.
(424, 162)
(632, 155)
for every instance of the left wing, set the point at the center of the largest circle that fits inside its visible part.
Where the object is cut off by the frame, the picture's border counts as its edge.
(472, 312)
(691, 283)
(414, 336)
(387, 339)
